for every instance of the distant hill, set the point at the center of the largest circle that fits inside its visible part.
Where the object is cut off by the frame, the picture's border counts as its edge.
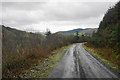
(73, 31)
(87, 31)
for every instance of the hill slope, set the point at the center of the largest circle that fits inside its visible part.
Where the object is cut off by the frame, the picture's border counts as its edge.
(73, 31)
(19, 38)
(109, 28)
(22, 50)
(106, 42)
(87, 31)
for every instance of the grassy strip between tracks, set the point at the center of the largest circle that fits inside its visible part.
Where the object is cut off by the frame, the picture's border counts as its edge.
(46, 66)
(96, 53)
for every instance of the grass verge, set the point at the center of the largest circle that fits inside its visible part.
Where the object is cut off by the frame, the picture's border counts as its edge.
(97, 53)
(45, 66)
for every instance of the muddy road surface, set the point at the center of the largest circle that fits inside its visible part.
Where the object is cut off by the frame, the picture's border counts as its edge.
(79, 63)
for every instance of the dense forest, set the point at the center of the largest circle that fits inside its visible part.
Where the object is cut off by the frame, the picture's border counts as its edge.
(108, 34)
(21, 49)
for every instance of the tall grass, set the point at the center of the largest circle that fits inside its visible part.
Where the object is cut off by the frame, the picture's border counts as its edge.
(21, 50)
(107, 54)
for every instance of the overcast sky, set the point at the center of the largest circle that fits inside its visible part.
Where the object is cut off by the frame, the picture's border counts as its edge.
(56, 15)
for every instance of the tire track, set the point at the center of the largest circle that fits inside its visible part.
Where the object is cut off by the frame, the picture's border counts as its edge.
(78, 68)
(78, 63)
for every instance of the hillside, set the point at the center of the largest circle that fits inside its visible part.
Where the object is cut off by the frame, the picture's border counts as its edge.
(21, 50)
(109, 28)
(73, 31)
(19, 38)
(106, 42)
(87, 31)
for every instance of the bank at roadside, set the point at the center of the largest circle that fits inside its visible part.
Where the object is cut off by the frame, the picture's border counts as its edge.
(104, 56)
(43, 69)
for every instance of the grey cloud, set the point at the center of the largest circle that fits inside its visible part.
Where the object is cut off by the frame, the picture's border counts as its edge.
(55, 13)
(58, 11)
(23, 5)
(76, 11)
